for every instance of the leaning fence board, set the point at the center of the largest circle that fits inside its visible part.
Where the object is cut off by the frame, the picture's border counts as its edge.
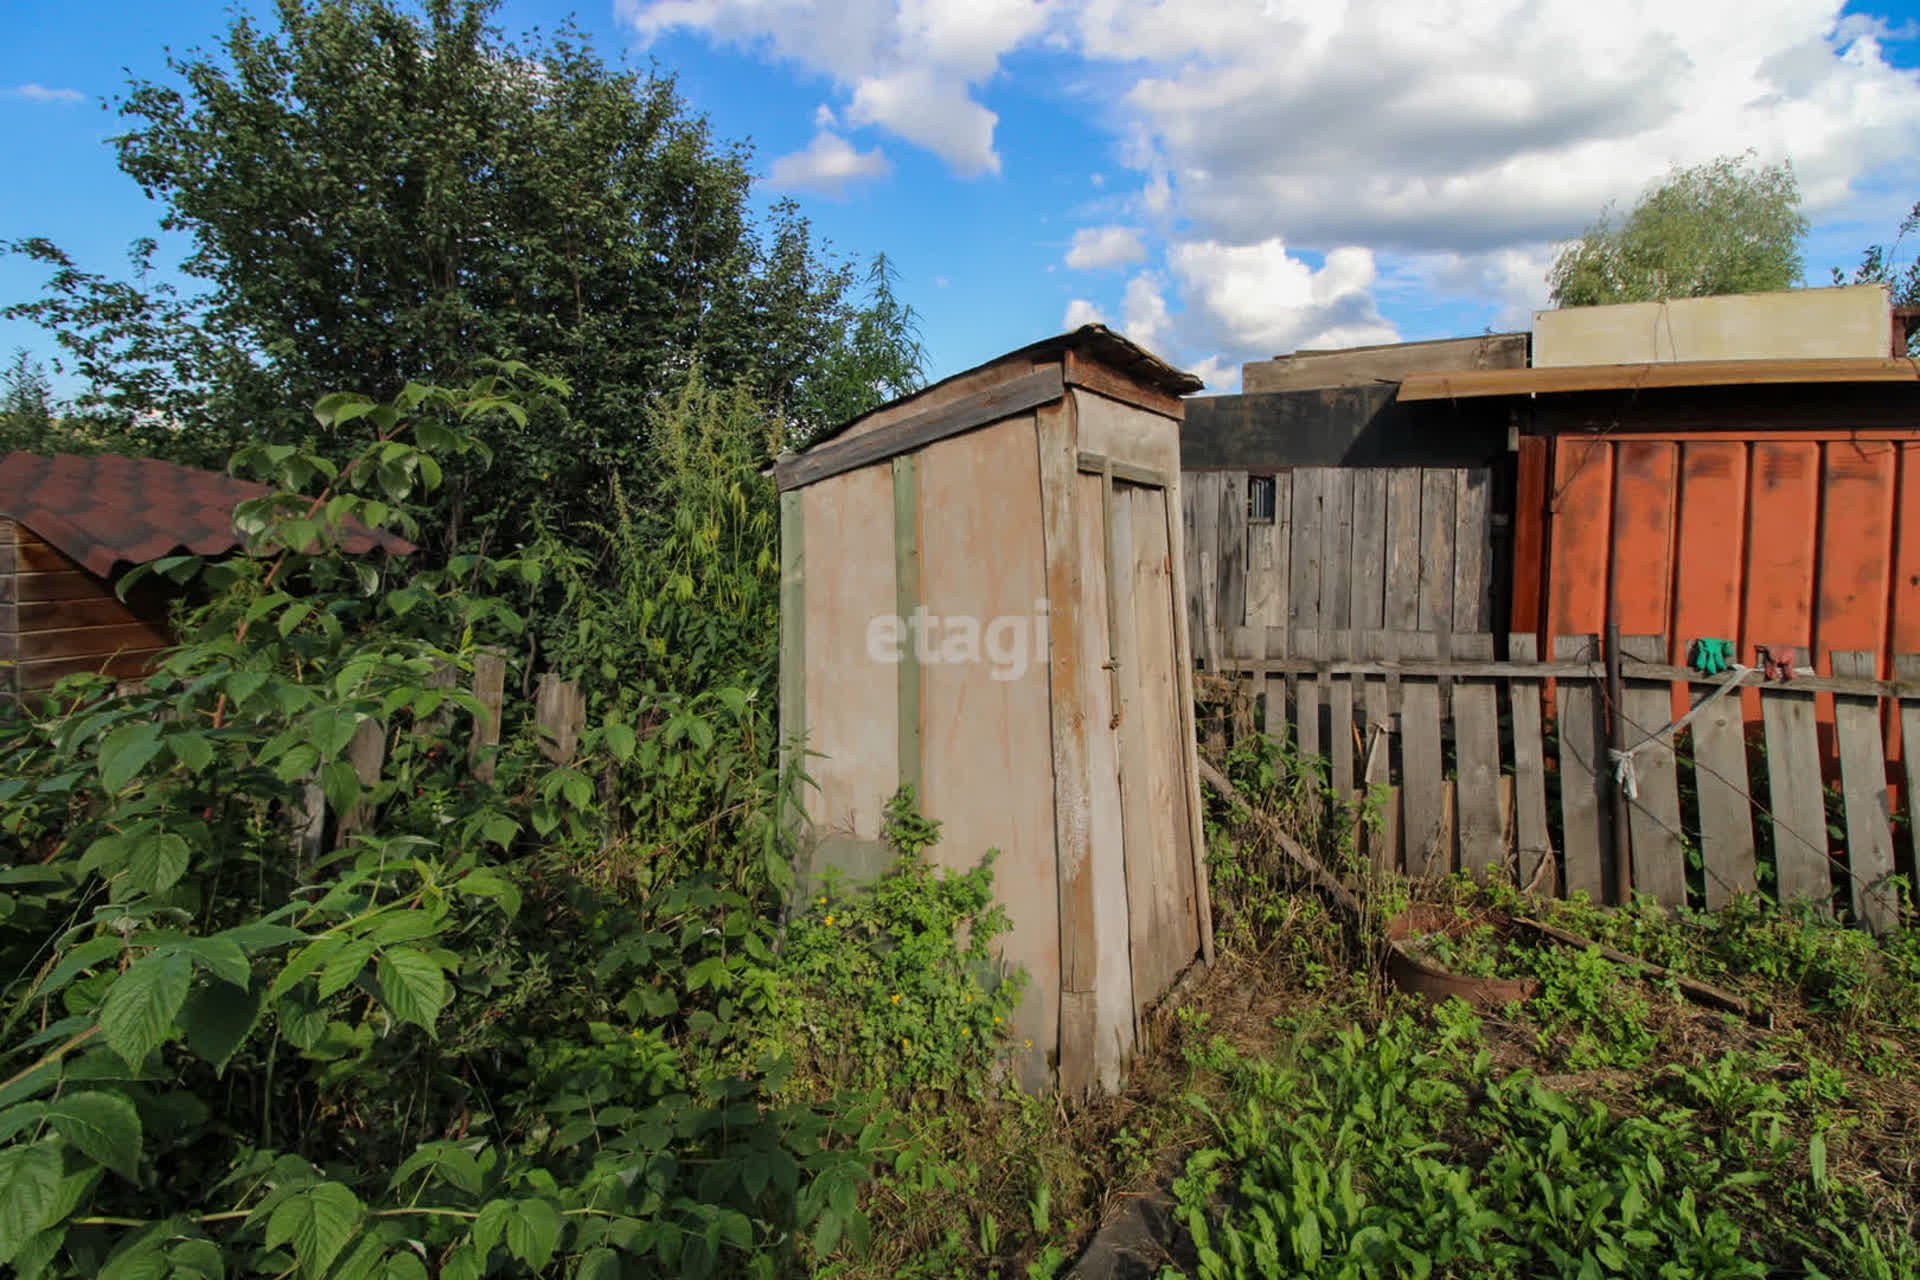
(1476, 726)
(1583, 774)
(1726, 806)
(1794, 795)
(1532, 854)
(1863, 781)
(1653, 815)
(1421, 789)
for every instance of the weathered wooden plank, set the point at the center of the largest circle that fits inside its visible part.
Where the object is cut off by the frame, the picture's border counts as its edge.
(1009, 398)
(1056, 465)
(1336, 552)
(1423, 765)
(1060, 529)
(1533, 865)
(1471, 552)
(56, 615)
(65, 584)
(1233, 548)
(1653, 817)
(1906, 667)
(1584, 775)
(1306, 696)
(489, 686)
(1377, 766)
(1794, 796)
(1863, 782)
(366, 752)
(1438, 488)
(1402, 602)
(1267, 554)
(1304, 567)
(1205, 589)
(1340, 722)
(793, 637)
(559, 714)
(1192, 497)
(1185, 740)
(79, 642)
(1476, 736)
(1726, 805)
(39, 557)
(1369, 577)
(1088, 372)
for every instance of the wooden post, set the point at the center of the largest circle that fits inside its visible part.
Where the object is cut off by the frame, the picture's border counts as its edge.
(1533, 854)
(489, 686)
(1863, 780)
(559, 713)
(366, 752)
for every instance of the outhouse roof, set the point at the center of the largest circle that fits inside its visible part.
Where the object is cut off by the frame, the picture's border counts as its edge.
(1094, 341)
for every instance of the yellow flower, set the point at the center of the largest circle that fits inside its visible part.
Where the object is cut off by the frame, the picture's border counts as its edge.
(966, 1031)
(966, 999)
(996, 1019)
(829, 921)
(895, 997)
(823, 901)
(906, 1044)
(1029, 1044)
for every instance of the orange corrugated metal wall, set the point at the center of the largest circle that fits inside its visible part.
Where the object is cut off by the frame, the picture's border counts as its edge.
(1805, 538)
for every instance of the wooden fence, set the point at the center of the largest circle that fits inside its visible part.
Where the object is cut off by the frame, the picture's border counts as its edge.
(559, 717)
(1347, 551)
(1504, 767)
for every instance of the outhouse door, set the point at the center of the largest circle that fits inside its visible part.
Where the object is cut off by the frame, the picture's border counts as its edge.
(1136, 731)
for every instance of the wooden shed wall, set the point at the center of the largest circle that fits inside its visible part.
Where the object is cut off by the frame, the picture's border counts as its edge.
(56, 618)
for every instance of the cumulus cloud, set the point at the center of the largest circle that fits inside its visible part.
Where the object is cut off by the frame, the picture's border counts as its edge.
(1260, 299)
(1442, 146)
(1080, 312)
(1095, 248)
(829, 165)
(41, 93)
(913, 67)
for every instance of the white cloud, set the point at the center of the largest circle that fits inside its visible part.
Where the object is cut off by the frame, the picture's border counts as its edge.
(913, 67)
(1258, 299)
(1221, 375)
(1438, 148)
(829, 165)
(823, 117)
(41, 93)
(1080, 312)
(1095, 248)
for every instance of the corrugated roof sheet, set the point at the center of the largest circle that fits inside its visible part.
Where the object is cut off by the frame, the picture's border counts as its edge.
(106, 509)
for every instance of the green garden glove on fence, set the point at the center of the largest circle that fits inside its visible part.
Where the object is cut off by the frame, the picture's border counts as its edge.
(1711, 657)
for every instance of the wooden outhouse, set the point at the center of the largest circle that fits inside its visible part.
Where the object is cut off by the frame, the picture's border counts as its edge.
(71, 525)
(983, 598)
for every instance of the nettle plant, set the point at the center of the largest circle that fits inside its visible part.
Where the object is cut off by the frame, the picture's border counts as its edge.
(414, 1054)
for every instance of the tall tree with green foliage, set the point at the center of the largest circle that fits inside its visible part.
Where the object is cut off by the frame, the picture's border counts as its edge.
(1880, 264)
(377, 195)
(1728, 226)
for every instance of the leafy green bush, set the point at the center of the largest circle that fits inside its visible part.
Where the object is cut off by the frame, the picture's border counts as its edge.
(454, 1045)
(897, 986)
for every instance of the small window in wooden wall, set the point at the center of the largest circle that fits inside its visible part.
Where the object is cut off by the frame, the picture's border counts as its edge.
(1260, 499)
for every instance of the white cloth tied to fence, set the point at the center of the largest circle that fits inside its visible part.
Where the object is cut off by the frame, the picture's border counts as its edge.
(1623, 771)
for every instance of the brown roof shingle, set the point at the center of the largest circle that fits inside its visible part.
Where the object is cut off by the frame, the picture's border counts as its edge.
(107, 509)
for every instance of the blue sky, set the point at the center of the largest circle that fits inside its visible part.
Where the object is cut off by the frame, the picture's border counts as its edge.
(1222, 179)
